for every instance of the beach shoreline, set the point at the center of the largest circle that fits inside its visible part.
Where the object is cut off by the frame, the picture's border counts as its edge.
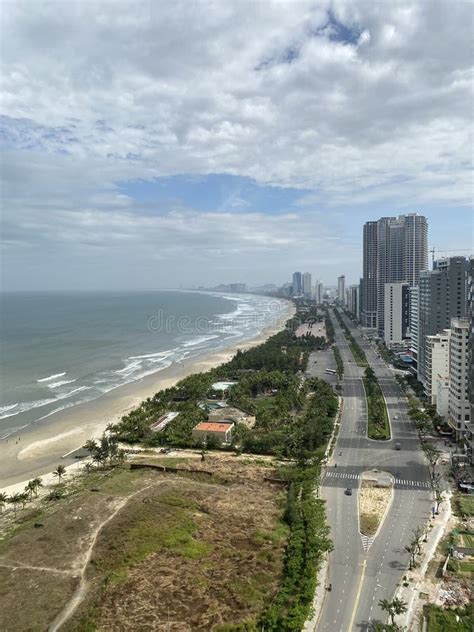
(42, 447)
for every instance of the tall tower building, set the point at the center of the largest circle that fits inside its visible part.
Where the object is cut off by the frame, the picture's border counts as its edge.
(341, 289)
(306, 284)
(459, 409)
(395, 251)
(442, 296)
(369, 282)
(297, 283)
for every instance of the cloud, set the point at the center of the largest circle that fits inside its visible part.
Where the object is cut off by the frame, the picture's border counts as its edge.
(357, 103)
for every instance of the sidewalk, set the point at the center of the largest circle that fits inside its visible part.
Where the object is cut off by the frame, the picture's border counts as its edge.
(418, 583)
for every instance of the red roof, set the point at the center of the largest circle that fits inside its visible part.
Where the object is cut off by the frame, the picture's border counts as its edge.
(214, 426)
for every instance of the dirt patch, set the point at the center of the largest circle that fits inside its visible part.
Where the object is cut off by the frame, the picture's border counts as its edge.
(375, 495)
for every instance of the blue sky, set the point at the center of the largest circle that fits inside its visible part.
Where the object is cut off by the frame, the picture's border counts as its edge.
(258, 148)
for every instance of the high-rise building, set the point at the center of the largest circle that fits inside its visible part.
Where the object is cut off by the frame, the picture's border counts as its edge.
(413, 323)
(437, 366)
(442, 296)
(318, 292)
(396, 313)
(297, 284)
(353, 300)
(459, 412)
(306, 284)
(470, 312)
(369, 300)
(341, 289)
(395, 251)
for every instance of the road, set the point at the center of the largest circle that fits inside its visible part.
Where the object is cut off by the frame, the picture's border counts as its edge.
(362, 573)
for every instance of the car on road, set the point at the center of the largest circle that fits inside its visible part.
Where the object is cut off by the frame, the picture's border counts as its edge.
(165, 450)
(396, 417)
(348, 491)
(398, 446)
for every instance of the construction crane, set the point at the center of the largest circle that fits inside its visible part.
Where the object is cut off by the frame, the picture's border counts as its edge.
(433, 250)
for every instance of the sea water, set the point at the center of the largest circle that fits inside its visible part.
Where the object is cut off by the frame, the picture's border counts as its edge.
(58, 350)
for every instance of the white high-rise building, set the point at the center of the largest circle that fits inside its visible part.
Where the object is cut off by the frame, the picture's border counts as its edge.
(459, 413)
(396, 313)
(318, 292)
(413, 322)
(341, 289)
(437, 364)
(306, 284)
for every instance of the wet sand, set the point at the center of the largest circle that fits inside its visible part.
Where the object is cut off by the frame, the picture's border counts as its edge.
(39, 449)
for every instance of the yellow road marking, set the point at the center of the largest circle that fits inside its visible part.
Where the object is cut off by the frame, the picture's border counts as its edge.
(361, 581)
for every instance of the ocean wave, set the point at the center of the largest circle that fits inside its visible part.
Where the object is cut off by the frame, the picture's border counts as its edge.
(79, 389)
(149, 356)
(51, 377)
(198, 341)
(24, 407)
(60, 383)
(4, 409)
(128, 368)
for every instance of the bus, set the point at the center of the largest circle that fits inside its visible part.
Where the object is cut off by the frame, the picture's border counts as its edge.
(331, 371)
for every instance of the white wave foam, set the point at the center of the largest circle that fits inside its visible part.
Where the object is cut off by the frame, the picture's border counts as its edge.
(26, 406)
(60, 383)
(51, 377)
(129, 368)
(198, 341)
(158, 354)
(4, 409)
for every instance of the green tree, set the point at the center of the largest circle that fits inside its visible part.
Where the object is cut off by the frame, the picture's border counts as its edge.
(3, 500)
(37, 482)
(59, 472)
(393, 608)
(15, 499)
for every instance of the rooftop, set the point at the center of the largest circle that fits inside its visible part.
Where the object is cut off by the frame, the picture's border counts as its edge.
(214, 426)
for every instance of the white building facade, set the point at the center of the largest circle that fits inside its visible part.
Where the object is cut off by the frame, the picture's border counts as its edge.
(437, 362)
(396, 313)
(459, 412)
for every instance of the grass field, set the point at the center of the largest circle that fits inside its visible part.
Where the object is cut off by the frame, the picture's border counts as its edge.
(441, 620)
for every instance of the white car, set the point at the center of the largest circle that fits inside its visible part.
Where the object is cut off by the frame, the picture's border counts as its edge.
(396, 417)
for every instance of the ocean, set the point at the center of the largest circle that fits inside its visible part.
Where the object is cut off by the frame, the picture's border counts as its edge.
(58, 350)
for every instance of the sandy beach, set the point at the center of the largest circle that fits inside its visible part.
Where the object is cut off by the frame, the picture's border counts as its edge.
(39, 449)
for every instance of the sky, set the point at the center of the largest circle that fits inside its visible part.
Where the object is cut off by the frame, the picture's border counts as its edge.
(185, 143)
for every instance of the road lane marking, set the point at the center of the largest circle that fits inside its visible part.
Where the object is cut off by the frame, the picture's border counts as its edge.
(359, 591)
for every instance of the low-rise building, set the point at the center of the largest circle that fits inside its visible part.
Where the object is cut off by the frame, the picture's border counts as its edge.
(221, 431)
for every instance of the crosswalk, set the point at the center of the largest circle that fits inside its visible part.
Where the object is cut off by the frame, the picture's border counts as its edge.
(399, 482)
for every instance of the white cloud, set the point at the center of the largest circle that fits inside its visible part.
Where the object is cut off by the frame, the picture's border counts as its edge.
(370, 106)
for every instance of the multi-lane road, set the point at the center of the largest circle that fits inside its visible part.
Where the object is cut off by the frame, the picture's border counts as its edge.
(363, 572)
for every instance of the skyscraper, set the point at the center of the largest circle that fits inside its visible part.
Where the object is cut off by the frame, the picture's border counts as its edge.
(341, 289)
(369, 283)
(306, 284)
(395, 251)
(297, 283)
(442, 296)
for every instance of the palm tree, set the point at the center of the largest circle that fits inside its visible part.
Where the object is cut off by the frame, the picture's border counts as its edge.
(30, 488)
(3, 500)
(90, 446)
(38, 482)
(393, 608)
(15, 500)
(60, 471)
(24, 498)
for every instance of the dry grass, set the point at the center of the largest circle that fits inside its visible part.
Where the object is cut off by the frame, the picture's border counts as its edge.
(373, 503)
(192, 553)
